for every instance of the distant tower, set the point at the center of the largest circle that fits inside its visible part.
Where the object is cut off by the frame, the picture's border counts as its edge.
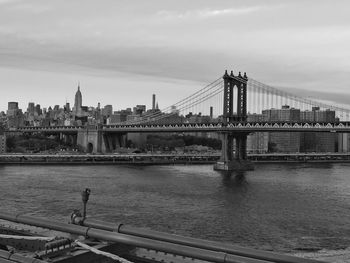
(78, 102)
(153, 101)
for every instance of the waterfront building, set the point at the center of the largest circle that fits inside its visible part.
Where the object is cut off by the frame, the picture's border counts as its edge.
(2, 141)
(317, 115)
(318, 141)
(283, 141)
(197, 118)
(285, 114)
(257, 142)
(343, 142)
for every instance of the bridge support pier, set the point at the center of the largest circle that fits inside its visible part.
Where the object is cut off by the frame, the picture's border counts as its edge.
(233, 153)
(113, 141)
(90, 139)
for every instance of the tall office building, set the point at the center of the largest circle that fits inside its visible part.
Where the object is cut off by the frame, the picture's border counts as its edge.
(12, 109)
(67, 107)
(139, 109)
(38, 110)
(14, 115)
(31, 108)
(107, 110)
(153, 102)
(78, 102)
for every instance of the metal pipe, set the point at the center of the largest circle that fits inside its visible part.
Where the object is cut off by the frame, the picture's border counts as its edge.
(212, 256)
(194, 242)
(85, 198)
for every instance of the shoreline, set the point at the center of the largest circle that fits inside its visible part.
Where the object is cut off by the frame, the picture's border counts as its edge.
(164, 159)
(157, 162)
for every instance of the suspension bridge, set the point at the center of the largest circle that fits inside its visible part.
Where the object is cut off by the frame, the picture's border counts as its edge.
(232, 105)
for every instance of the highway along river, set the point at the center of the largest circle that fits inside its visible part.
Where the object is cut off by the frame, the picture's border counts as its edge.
(280, 207)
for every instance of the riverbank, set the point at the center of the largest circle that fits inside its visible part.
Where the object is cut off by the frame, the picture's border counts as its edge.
(163, 159)
(103, 159)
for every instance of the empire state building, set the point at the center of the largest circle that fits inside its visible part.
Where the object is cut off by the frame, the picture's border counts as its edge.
(78, 103)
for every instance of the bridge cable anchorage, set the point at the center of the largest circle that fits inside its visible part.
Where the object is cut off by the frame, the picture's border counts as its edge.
(102, 253)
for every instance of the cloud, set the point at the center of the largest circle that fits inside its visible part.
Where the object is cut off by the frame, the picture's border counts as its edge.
(207, 13)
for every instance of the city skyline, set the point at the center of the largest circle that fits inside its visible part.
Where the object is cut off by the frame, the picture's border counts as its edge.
(73, 102)
(119, 49)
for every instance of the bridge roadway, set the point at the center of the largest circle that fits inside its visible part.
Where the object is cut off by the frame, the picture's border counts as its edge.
(342, 127)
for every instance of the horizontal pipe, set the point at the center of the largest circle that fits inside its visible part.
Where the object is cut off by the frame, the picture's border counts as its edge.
(212, 256)
(194, 242)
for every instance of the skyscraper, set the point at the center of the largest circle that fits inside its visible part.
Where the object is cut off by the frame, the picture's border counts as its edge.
(107, 110)
(31, 108)
(12, 108)
(153, 102)
(78, 102)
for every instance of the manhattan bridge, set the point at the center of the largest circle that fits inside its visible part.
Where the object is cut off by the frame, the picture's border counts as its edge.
(239, 99)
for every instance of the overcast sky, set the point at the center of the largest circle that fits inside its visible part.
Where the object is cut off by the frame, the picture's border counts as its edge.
(123, 51)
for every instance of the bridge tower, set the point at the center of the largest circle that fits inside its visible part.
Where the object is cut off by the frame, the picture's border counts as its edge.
(234, 144)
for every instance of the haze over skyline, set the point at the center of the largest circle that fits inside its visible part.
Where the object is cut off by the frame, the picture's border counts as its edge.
(123, 51)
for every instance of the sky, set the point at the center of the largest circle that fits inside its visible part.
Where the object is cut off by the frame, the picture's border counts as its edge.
(123, 51)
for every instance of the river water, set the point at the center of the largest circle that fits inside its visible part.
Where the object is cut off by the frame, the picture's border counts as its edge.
(280, 207)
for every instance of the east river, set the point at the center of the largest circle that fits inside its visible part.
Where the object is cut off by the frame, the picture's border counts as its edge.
(281, 207)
